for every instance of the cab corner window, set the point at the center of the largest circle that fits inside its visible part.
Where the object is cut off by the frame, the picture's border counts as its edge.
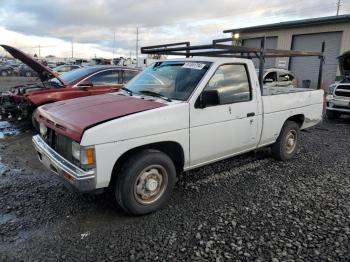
(232, 84)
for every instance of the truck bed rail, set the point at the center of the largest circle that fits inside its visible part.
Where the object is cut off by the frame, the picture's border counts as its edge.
(222, 48)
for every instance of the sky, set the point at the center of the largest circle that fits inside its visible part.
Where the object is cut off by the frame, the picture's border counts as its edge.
(92, 26)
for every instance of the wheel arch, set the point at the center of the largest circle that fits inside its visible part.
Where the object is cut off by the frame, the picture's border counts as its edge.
(172, 149)
(299, 119)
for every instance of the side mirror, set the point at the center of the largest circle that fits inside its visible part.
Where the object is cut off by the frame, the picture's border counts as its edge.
(208, 98)
(85, 85)
(268, 80)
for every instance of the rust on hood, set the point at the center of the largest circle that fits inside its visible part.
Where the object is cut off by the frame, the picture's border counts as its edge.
(72, 117)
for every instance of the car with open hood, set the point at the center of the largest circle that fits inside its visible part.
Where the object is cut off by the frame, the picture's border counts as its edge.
(21, 101)
(338, 101)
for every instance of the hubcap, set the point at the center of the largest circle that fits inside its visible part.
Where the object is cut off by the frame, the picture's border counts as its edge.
(150, 184)
(291, 141)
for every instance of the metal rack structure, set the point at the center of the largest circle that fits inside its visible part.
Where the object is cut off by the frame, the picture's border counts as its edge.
(223, 48)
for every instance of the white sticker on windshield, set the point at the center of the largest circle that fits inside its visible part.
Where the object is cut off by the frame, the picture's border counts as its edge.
(193, 65)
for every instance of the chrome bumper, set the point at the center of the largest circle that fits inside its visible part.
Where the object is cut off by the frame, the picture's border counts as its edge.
(340, 110)
(73, 177)
(341, 105)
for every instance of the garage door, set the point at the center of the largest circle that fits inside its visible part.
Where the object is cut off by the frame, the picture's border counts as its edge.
(271, 43)
(307, 68)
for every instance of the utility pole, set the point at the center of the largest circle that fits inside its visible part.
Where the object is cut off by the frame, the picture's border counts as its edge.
(338, 6)
(72, 49)
(39, 51)
(113, 47)
(137, 47)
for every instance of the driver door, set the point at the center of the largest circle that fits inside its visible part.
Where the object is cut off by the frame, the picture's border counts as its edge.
(229, 126)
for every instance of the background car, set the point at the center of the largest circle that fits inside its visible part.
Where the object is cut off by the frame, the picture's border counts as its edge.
(21, 101)
(25, 70)
(6, 70)
(65, 68)
(277, 77)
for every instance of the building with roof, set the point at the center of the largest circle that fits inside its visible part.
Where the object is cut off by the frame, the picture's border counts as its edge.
(307, 35)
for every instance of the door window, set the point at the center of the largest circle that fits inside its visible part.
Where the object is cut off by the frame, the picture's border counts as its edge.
(232, 84)
(128, 75)
(109, 77)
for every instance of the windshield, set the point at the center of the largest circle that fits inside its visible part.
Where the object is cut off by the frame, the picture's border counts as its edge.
(72, 76)
(171, 79)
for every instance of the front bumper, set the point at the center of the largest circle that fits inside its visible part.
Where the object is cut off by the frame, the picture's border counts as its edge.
(74, 177)
(341, 105)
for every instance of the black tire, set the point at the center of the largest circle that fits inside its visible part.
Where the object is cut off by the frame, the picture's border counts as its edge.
(134, 177)
(282, 148)
(332, 114)
(28, 74)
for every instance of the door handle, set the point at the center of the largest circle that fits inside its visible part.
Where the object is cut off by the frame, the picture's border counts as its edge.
(251, 114)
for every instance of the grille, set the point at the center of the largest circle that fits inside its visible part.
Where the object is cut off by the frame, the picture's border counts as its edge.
(342, 90)
(61, 144)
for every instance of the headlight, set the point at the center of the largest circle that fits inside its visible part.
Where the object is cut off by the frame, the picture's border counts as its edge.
(329, 97)
(76, 151)
(85, 156)
(42, 129)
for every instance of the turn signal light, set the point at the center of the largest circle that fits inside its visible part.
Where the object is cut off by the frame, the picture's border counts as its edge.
(90, 156)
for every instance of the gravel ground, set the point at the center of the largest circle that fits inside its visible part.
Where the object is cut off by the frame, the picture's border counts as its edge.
(248, 208)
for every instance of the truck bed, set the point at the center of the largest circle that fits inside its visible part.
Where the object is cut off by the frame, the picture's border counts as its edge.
(281, 103)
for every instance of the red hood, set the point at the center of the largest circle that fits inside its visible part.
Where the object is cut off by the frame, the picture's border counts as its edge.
(72, 117)
(44, 72)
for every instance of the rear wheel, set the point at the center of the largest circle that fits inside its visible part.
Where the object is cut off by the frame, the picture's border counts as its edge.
(287, 143)
(332, 114)
(4, 73)
(145, 182)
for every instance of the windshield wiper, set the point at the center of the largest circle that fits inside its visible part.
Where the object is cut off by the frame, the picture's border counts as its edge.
(155, 94)
(127, 90)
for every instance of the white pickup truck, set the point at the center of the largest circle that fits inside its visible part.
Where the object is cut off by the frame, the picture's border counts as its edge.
(174, 116)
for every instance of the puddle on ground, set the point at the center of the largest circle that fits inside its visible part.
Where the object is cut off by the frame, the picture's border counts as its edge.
(5, 218)
(3, 167)
(8, 129)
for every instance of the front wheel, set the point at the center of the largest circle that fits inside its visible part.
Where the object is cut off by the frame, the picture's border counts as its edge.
(145, 182)
(287, 143)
